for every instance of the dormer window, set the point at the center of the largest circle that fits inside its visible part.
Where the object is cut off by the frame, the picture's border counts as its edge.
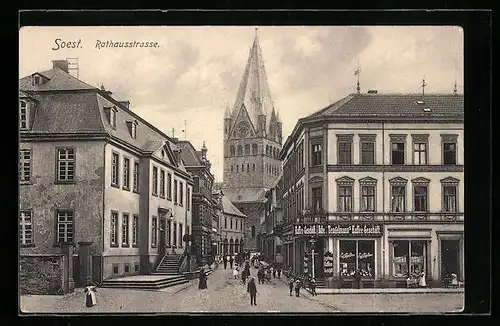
(111, 112)
(132, 125)
(23, 115)
(37, 79)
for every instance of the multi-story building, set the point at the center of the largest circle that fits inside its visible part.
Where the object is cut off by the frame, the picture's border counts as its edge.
(231, 227)
(271, 243)
(94, 173)
(375, 183)
(204, 212)
(252, 141)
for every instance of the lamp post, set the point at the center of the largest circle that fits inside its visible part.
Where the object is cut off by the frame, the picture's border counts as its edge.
(313, 242)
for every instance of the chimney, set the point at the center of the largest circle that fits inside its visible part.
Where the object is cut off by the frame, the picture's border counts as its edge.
(125, 104)
(61, 64)
(372, 91)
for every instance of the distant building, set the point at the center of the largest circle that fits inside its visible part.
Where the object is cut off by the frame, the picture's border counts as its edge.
(96, 176)
(204, 212)
(231, 227)
(252, 142)
(271, 242)
(375, 182)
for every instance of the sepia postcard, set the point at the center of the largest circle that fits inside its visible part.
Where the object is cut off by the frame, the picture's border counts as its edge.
(168, 169)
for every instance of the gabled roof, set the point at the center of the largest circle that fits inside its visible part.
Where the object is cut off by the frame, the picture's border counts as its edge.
(189, 155)
(58, 79)
(229, 208)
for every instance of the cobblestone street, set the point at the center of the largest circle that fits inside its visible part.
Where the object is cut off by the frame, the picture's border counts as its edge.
(225, 294)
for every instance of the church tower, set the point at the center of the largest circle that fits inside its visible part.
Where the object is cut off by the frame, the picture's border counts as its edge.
(252, 142)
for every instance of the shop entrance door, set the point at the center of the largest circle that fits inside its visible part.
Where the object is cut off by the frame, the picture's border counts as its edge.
(318, 259)
(450, 250)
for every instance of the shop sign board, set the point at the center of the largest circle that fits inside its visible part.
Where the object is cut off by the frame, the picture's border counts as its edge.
(364, 230)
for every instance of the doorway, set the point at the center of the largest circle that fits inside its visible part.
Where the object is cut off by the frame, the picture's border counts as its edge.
(450, 258)
(162, 243)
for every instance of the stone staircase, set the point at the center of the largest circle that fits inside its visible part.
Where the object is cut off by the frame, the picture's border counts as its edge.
(320, 283)
(146, 282)
(169, 265)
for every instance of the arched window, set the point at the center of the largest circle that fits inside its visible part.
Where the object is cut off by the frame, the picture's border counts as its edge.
(240, 150)
(253, 167)
(254, 149)
(237, 168)
(247, 149)
(232, 151)
(253, 232)
(243, 168)
(231, 224)
(248, 167)
(231, 246)
(225, 246)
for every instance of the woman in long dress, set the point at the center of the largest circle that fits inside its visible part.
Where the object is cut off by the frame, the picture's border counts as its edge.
(90, 299)
(202, 284)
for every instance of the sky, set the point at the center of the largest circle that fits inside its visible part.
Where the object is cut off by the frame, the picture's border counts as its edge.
(186, 82)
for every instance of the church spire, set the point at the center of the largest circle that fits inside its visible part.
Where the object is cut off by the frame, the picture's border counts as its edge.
(253, 93)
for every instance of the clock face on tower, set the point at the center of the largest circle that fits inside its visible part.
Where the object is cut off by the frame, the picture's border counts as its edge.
(243, 129)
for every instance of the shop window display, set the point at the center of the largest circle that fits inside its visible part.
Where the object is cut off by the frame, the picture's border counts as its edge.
(357, 255)
(408, 258)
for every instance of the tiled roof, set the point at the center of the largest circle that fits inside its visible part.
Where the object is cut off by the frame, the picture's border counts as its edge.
(67, 113)
(395, 105)
(58, 80)
(189, 155)
(229, 208)
(245, 195)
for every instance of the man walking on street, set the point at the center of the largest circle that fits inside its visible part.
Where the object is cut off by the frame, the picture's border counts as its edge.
(297, 287)
(279, 272)
(252, 289)
(290, 284)
(313, 287)
(225, 262)
(231, 260)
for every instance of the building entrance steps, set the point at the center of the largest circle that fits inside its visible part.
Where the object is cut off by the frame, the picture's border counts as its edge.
(145, 282)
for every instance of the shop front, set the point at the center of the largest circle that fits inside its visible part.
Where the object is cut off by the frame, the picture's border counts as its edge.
(341, 253)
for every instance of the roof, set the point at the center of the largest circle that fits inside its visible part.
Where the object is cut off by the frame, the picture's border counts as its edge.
(58, 79)
(189, 155)
(245, 195)
(229, 208)
(395, 105)
(253, 92)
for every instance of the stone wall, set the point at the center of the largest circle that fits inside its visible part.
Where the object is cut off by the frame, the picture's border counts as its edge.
(41, 274)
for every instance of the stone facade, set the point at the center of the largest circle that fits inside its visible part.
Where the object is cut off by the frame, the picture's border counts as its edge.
(41, 274)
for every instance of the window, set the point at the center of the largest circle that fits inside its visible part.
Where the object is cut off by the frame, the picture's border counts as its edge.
(26, 228)
(345, 198)
(398, 149)
(154, 231)
(420, 197)
(65, 220)
(254, 149)
(126, 268)
(125, 230)
(408, 258)
(181, 193)
(169, 231)
(253, 232)
(242, 168)
(25, 165)
(114, 229)
(126, 173)
(317, 199)
(154, 184)
(449, 148)
(241, 225)
(344, 149)
(162, 183)
(232, 168)
(135, 231)
(169, 186)
(232, 151)
(240, 150)
(225, 223)
(357, 255)
(449, 191)
(231, 224)
(420, 153)
(23, 115)
(367, 146)
(248, 167)
(112, 117)
(174, 237)
(316, 154)
(180, 235)
(133, 129)
(237, 168)
(136, 176)
(253, 167)
(65, 164)
(175, 191)
(367, 198)
(188, 198)
(247, 149)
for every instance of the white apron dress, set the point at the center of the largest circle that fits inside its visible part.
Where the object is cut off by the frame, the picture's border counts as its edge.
(90, 299)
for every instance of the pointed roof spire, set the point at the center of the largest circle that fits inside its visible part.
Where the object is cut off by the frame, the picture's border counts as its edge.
(253, 92)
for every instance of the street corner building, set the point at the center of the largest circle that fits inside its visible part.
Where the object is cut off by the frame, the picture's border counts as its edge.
(103, 192)
(375, 183)
(252, 142)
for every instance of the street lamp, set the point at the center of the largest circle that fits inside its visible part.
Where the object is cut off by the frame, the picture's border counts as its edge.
(313, 242)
